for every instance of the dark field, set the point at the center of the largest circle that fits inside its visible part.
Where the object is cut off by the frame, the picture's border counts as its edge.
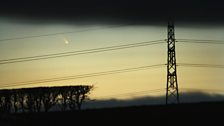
(182, 114)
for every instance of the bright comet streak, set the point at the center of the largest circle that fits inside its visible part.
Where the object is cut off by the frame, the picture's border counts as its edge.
(66, 41)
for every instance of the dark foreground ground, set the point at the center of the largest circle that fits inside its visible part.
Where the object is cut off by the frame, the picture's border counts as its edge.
(182, 114)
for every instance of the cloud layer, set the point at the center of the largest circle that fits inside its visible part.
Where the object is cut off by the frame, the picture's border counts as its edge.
(190, 97)
(115, 11)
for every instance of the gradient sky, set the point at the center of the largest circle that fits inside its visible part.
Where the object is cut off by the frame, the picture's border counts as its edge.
(104, 35)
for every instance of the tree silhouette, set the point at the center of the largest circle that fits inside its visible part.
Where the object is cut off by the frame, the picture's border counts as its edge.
(81, 95)
(49, 98)
(43, 98)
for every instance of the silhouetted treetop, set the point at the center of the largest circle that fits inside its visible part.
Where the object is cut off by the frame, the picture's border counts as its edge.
(43, 98)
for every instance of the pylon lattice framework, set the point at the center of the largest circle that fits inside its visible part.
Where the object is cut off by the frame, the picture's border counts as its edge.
(172, 95)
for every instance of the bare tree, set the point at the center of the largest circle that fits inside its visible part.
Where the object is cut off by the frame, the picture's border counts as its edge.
(49, 98)
(81, 94)
(35, 99)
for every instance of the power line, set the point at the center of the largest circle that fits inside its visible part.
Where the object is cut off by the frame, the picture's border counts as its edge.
(156, 91)
(207, 40)
(202, 90)
(132, 93)
(58, 33)
(201, 65)
(80, 52)
(81, 76)
(96, 50)
(200, 41)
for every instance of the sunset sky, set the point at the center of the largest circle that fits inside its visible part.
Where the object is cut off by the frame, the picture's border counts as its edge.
(92, 35)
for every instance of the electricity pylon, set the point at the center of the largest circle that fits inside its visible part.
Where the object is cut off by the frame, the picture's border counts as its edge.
(172, 96)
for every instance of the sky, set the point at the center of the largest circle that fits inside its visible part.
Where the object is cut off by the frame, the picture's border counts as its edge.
(100, 31)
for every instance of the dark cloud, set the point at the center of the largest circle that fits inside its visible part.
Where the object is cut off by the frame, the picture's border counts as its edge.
(190, 97)
(115, 11)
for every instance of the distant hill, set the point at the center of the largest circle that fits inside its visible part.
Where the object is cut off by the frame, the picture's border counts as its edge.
(185, 97)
